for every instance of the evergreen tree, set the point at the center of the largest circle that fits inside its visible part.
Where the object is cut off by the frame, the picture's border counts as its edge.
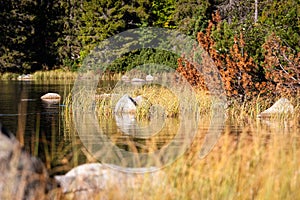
(17, 29)
(28, 30)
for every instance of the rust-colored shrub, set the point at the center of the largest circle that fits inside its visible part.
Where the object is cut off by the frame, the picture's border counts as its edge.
(240, 75)
(282, 66)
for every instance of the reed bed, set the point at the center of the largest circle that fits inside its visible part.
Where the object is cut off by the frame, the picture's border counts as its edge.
(255, 164)
(55, 75)
(154, 96)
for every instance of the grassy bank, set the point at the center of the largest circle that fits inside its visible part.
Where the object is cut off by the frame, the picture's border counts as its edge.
(41, 75)
(54, 75)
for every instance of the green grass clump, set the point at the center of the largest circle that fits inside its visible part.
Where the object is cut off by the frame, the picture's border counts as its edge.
(55, 75)
(8, 76)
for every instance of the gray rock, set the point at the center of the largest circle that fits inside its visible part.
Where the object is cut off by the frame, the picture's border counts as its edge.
(87, 179)
(22, 176)
(281, 107)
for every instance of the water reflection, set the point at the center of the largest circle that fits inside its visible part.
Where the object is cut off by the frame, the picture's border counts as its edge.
(153, 124)
(35, 123)
(45, 131)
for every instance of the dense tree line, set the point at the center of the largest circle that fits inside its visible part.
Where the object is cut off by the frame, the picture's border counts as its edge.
(48, 34)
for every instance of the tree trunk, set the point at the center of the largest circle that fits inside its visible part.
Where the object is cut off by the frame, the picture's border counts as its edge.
(256, 11)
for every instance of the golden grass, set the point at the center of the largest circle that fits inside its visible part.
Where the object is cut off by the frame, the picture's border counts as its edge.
(155, 96)
(253, 159)
(250, 162)
(255, 163)
(55, 75)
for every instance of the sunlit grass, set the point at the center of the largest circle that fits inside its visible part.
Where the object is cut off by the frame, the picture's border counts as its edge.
(55, 75)
(254, 164)
(8, 76)
(253, 159)
(154, 96)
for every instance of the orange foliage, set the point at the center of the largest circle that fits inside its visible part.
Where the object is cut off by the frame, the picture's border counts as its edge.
(240, 75)
(282, 66)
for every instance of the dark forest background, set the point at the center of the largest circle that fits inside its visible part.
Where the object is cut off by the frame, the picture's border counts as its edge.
(255, 37)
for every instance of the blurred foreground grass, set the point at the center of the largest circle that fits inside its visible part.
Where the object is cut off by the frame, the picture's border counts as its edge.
(253, 158)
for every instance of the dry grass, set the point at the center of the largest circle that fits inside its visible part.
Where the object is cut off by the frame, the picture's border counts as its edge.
(253, 159)
(255, 163)
(251, 162)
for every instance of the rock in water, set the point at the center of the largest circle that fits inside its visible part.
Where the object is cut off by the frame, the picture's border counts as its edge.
(51, 98)
(127, 104)
(280, 107)
(149, 78)
(26, 77)
(22, 176)
(125, 78)
(137, 80)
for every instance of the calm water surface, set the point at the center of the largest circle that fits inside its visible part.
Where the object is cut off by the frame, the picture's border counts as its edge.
(19, 98)
(22, 111)
(45, 131)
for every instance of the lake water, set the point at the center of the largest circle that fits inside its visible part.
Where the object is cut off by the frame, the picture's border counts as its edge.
(47, 131)
(24, 96)
(34, 122)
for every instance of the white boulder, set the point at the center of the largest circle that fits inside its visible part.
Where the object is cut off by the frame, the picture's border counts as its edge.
(86, 179)
(280, 107)
(137, 80)
(127, 104)
(149, 78)
(51, 96)
(25, 77)
(125, 78)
